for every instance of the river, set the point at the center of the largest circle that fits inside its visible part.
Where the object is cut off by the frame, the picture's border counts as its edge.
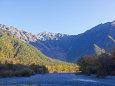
(59, 79)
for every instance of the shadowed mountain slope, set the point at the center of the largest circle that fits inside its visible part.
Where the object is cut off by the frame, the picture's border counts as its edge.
(93, 41)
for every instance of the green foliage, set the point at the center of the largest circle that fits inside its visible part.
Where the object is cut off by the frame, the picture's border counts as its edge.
(24, 72)
(8, 70)
(6, 73)
(101, 65)
(86, 64)
(39, 69)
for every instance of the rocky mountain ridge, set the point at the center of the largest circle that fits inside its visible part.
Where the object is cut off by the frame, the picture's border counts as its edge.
(30, 36)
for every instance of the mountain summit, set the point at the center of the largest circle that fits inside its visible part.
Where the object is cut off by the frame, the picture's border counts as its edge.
(50, 36)
(29, 36)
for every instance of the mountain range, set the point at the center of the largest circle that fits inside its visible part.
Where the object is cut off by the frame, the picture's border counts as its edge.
(69, 47)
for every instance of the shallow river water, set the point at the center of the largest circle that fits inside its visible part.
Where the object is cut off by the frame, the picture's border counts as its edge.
(59, 79)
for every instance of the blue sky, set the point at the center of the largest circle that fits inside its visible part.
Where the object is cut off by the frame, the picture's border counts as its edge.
(62, 16)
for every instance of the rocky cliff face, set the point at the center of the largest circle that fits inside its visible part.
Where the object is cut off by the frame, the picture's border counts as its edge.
(43, 36)
(29, 36)
(20, 34)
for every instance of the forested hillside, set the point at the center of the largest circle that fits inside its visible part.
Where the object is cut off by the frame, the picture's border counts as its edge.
(12, 49)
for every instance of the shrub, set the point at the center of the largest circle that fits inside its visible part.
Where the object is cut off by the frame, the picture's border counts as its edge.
(6, 73)
(24, 72)
(85, 65)
(113, 73)
(101, 65)
(88, 70)
(39, 69)
(3, 67)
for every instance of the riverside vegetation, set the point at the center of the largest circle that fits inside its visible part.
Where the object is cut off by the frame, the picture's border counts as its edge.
(101, 65)
(10, 69)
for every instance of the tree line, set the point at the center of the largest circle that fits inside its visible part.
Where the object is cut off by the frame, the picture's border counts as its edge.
(9, 69)
(100, 65)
